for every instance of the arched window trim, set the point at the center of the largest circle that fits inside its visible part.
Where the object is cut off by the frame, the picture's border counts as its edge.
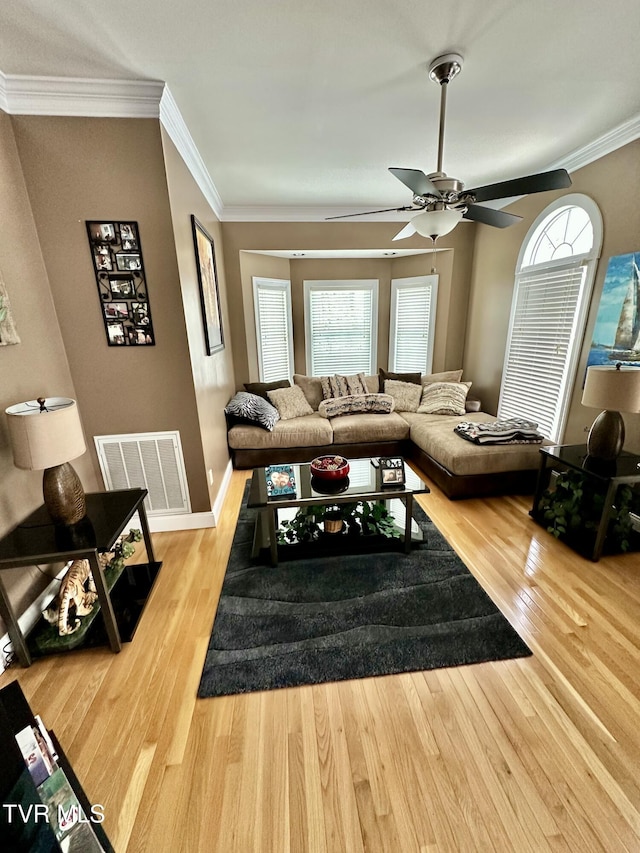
(589, 261)
(571, 200)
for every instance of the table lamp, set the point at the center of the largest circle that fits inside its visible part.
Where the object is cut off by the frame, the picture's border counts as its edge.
(46, 434)
(615, 389)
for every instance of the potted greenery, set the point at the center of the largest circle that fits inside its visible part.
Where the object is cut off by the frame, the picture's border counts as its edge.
(360, 517)
(575, 504)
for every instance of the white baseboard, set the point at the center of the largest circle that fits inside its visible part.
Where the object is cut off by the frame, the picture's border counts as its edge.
(33, 612)
(222, 491)
(194, 520)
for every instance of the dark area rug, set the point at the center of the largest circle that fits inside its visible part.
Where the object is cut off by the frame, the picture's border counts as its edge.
(316, 619)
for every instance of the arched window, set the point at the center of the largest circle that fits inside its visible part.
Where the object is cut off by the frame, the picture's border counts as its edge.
(554, 279)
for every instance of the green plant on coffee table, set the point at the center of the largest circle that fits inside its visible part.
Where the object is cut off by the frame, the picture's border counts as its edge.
(368, 518)
(575, 505)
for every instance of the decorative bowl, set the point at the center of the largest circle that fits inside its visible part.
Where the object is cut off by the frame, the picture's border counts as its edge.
(330, 467)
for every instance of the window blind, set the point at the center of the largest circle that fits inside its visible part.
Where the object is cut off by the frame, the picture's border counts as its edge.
(541, 340)
(412, 324)
(272, 304)
(341, 320)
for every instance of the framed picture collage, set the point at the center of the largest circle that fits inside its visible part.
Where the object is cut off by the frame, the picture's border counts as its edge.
(119, 269)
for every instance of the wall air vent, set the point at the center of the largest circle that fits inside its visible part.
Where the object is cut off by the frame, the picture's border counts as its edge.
(151, 461)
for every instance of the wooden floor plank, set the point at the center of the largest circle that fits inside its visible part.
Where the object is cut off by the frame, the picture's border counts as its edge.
(535, 754)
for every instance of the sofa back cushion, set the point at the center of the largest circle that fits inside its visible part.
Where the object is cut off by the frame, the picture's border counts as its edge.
(261, 388)
(444, 376)
(311, 388)
(406, 395)
(290, 402)
(444, 398)
(398, 377)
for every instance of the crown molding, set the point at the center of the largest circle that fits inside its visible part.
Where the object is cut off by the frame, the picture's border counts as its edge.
(79, 96)
(621, 135)
(174, 124)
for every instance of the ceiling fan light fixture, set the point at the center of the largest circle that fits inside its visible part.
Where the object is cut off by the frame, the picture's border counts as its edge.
(436, 223)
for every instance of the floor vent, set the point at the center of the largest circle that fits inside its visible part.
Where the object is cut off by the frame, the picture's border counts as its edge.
(151, 461)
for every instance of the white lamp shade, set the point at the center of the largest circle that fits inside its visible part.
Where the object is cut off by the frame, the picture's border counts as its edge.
(48, 438)
(436, 223)
(613, 389)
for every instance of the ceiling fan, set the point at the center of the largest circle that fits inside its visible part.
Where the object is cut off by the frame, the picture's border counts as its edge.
(443, 200)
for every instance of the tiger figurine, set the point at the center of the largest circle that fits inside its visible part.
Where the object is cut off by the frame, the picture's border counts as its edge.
(72, 591)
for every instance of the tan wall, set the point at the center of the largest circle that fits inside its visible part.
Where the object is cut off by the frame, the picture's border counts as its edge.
(35, 367)
(453, 267)
(79, 169)
(212, 374)
(613, 183)
(262, 266)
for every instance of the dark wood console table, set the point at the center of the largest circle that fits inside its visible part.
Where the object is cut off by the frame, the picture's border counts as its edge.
(606, 475)
(38, 540)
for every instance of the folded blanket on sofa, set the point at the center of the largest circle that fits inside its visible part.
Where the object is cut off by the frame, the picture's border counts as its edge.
(506, 431)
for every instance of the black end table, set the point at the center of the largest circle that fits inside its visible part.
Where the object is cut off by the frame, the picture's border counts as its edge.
(607, 475)
(38, 540)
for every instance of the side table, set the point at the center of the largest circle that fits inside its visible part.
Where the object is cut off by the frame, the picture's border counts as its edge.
(607, 475)
(38, 540)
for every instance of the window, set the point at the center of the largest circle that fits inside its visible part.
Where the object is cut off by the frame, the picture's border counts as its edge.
(553, 286)
(274, 328)
(412, 326)
(341, 322)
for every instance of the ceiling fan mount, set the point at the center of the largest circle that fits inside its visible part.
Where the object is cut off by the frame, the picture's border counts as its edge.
(445, 197)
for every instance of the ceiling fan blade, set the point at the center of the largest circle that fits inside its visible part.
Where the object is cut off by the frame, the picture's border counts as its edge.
(557, 179)
(407, 231)
(417, 181)
(369, 212)
(489, 216)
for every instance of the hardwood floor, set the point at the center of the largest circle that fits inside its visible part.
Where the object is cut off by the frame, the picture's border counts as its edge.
(535, 754)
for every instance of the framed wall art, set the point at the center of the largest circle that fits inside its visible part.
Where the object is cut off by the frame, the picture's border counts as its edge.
(8, 332)
(616, 336)
(122, 286)
(208, 284)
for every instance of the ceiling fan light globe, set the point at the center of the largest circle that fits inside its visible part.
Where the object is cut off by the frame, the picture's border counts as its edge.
(436, 223)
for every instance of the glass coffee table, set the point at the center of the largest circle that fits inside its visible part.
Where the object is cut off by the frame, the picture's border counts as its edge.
(364, 484)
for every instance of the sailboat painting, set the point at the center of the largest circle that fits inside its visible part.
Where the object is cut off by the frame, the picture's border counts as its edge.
(616, 336)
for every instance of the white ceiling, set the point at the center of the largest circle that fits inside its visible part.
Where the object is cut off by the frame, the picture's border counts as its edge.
(306, 104)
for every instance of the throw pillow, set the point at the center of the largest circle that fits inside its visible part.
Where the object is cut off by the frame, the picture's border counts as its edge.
(343, 386)
(406, 395)
(399, 377)
(311, 388)
(356, 404)
(248, 408)
(444, 398)
(290, 402)
(372, 383)
(445, 376)
(261, 388)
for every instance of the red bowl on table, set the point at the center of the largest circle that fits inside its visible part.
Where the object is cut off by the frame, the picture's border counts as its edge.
(330, 467)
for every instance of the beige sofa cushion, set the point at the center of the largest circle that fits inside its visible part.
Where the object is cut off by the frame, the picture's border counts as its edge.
(406, 395)
(352, 429)
(290, 402)
(444, 376)
(306, 431)
(444, 398)
(435, 436)
(311, 388)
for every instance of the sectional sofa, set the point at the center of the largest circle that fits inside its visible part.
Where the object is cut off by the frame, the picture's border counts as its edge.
(308, 426)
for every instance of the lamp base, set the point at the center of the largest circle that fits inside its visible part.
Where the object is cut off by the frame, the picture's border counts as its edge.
(63, 494)
(606, 436)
